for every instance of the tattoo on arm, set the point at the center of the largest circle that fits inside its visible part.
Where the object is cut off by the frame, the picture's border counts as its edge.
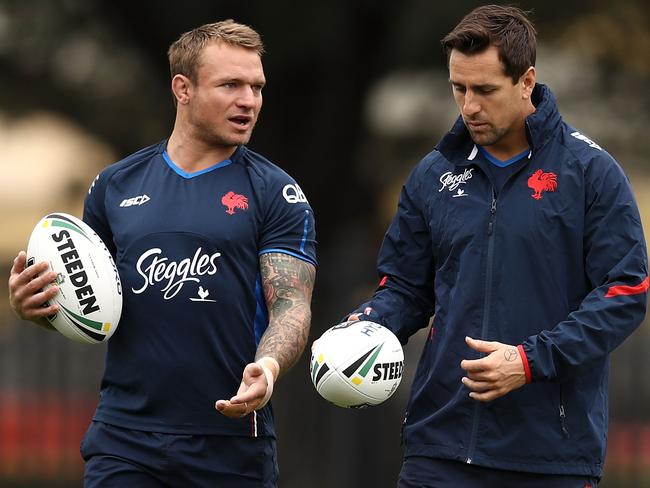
(287, 283)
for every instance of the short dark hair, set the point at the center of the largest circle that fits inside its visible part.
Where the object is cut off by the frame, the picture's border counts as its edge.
(506, 27)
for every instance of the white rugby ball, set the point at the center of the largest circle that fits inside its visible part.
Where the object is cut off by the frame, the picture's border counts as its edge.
(357, 364)
(90, 292)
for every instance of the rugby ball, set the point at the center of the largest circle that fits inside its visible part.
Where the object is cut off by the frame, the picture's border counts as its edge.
(90, 292)
(357, 364)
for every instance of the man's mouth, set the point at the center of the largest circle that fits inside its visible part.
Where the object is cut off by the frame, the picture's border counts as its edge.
(476, 124)
(242, 121)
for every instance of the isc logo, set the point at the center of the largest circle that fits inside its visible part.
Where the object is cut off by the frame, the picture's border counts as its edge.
(584, 138)
(139, 200)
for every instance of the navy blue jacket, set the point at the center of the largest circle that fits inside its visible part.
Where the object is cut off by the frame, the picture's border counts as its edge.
(554, 263)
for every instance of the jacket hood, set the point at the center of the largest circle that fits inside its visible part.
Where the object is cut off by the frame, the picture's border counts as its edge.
(541, 125)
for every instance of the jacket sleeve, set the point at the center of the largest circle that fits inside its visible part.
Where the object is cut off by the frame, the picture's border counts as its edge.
(616, 270)
(404, 300)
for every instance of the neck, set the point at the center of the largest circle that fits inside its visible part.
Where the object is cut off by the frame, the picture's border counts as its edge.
(514, 142)
(504, 150)
(192, 154)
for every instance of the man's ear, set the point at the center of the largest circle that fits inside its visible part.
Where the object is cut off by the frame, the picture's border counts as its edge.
(182, 89)
(528, 80)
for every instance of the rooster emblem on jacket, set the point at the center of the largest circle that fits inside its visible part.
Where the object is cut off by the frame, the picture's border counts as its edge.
(232, 200)
(541, 182)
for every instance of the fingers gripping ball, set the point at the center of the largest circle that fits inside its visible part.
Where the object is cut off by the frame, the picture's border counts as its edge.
(90, 293)
(357, 364)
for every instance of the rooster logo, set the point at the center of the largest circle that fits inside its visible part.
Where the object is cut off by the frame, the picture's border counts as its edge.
(540, 182)
(232, 200)
(203, 296)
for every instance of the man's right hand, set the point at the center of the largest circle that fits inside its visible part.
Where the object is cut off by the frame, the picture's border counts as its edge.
(26, 290)
(352, 318)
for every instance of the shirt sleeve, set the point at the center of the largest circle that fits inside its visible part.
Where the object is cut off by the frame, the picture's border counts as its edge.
(289, 226)
(95, 212)
(616, 268)
(404, 300)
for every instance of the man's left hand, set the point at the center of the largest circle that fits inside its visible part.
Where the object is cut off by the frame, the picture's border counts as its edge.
(494, 375)
(254, 391)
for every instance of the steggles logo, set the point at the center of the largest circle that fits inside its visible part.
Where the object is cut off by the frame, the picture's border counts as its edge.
(157, 269)
(452, 181)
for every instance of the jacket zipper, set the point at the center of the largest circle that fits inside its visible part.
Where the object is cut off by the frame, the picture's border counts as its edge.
(565, 431)
(401, 433)
(486, 315)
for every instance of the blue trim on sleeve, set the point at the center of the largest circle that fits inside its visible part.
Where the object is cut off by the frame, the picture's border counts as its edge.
(503, 164)
(187, 175)
(261, 321)
(294, 254)
(304, 232)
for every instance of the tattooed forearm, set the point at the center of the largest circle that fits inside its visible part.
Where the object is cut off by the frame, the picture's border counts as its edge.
(287, 283)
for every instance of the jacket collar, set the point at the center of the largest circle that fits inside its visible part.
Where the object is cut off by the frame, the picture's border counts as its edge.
(457, 146)
(544, 123)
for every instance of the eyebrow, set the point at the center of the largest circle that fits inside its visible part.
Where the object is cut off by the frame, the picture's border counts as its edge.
(258, 81)
(477, 86)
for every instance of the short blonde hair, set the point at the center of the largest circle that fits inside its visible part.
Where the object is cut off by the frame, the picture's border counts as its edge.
(184, 54)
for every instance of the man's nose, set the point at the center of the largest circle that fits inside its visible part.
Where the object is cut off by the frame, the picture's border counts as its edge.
(471, 105)
(246, 97)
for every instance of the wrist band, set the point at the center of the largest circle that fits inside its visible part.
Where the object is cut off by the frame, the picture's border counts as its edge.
(271, 370)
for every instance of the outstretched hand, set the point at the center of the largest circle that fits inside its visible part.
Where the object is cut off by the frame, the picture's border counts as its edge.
(494, 375)
(254, 391)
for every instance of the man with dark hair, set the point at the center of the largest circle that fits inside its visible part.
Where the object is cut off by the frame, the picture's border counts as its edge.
(217, 262)
(521, 238)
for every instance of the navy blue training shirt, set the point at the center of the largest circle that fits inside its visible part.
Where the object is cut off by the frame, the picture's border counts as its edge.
(500, 171)
(187, 248)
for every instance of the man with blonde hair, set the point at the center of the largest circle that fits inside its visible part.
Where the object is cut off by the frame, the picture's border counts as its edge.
(217, 261)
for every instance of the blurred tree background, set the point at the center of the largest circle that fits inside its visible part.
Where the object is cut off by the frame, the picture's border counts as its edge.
(357, 93)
